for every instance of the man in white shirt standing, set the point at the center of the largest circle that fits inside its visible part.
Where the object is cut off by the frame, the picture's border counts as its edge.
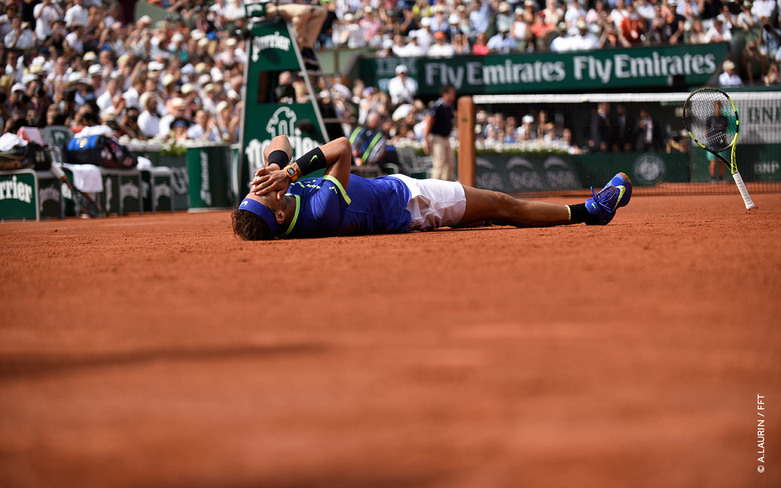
(402, 88)
(45, 14)
(77, 15)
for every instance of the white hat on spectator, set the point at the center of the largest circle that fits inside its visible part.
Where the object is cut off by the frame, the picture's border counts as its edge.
(233, 94)
(204, 79)
(454, 19)
(89, 56)
(200, 68)
(401, 69)
(155, 66)
(728, 65)
(177, 102)
(187, 88)
(401, 112)
(231, 42)
(29, 78)
(217, 76)
(178, 37)
(76, 77)
(144, 99)
(37, 64)
(168, 79)
(528, 119)
(209, 88)
(203, 42)
(145, 19)
(18, 87)
(387, 43)
(187, 69)
(425, 21)
(221, 106)
(197, 34)
(348, 17)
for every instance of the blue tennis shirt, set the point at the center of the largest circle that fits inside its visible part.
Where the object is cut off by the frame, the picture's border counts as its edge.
(366, 206)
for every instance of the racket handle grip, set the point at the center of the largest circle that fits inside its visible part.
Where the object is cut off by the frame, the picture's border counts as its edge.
(743, 191)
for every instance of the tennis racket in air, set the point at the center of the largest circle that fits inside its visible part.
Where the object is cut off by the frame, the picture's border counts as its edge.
(85, 203)
(711, 119)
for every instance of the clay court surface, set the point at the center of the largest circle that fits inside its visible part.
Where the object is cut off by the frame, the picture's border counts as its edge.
(159, 351)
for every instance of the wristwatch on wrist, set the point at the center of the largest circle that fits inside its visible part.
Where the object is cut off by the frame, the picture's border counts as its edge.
(291, 172)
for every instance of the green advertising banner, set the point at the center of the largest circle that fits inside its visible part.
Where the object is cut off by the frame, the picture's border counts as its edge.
(272, 50)
(531, 173)
(18, 195)
(549, 72)
(208, 170)
(121, 191)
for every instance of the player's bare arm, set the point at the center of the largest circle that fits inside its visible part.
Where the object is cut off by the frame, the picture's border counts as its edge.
(337, 155)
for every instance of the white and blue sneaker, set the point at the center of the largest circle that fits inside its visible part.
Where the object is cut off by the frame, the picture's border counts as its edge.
(605, 203)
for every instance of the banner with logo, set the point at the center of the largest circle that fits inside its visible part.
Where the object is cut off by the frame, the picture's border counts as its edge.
(549, 72)
(271, 51)
(522, 173)
(18, 195)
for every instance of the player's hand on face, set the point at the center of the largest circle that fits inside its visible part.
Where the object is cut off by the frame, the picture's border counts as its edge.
(266, 181)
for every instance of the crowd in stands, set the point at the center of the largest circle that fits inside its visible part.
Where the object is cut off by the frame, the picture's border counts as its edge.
(81, 63)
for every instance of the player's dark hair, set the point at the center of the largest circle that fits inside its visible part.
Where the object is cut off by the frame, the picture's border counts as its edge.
(250, 227)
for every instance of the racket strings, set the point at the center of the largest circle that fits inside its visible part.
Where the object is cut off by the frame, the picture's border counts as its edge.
(715, 131)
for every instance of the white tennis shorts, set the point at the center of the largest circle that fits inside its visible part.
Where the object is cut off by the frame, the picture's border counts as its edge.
(434, 203)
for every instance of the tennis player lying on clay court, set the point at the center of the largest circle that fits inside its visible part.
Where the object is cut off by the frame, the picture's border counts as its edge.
(283, 204)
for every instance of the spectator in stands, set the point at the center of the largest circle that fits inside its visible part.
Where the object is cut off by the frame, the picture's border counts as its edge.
(728, 77)
(717, 32)
(177, 131)
(769, 39)
(45, 14)
(128, 125)
(763, 9)
(672, 31)
(441, 48)
(696, 35)
(746, 20)
(21, 37)
(227, 122)
(610, 37)
(480, 17)
(480, 46)
(633, 27)
(502, 42)
(461, 44)
(773, 76)
(11, 11)
(520, 30)
(76, 15)
(203, 128)
(753, 62)
(583, 39)
(647, 133)
(402, 88)
(149, 119)
(599, 137)
(504, 18)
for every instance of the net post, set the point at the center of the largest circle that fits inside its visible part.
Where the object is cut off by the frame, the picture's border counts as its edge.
(466, 141)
